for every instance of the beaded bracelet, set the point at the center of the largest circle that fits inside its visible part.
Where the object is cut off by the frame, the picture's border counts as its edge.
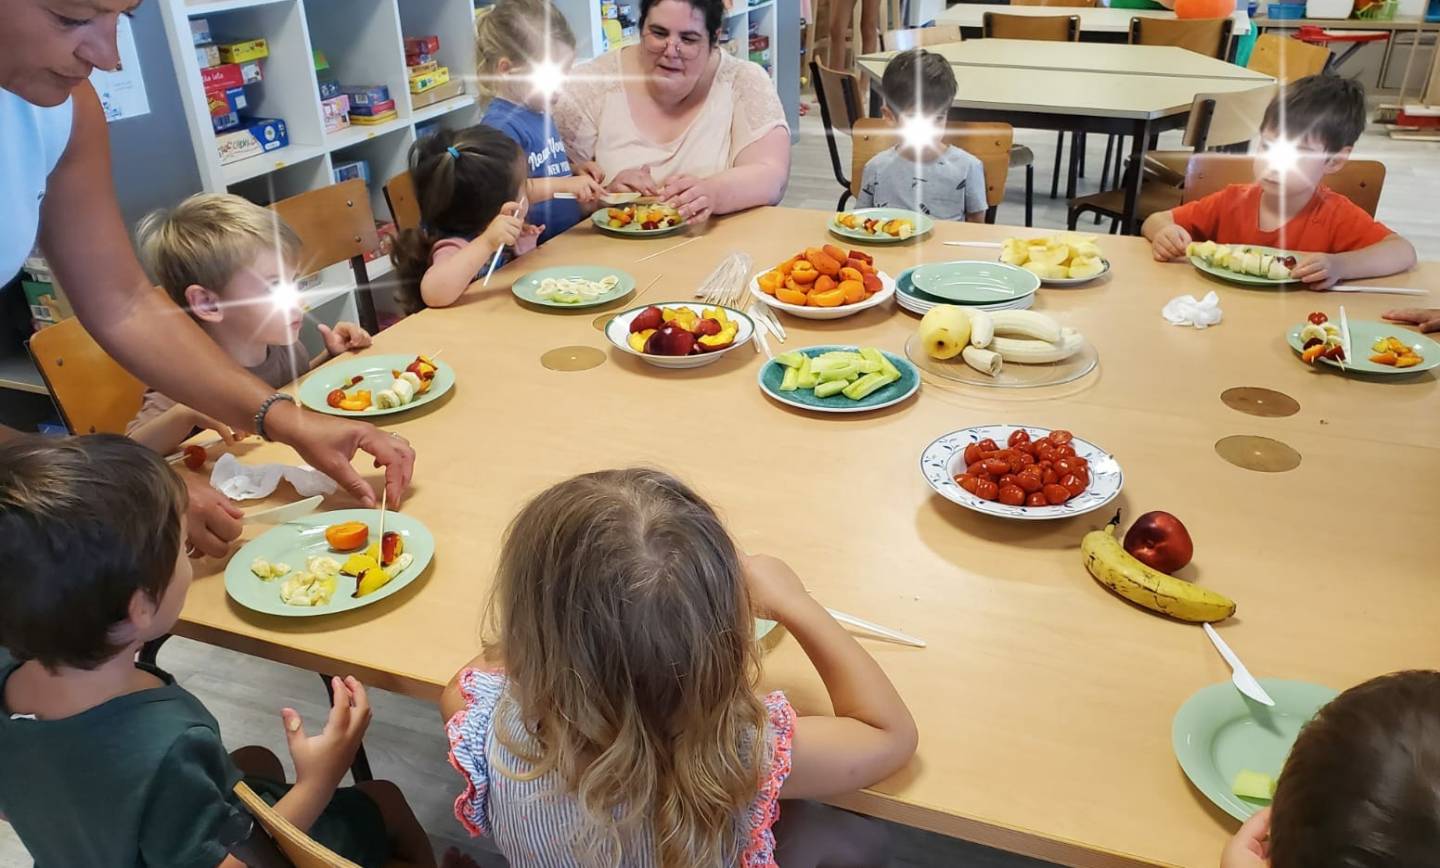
(265, 408)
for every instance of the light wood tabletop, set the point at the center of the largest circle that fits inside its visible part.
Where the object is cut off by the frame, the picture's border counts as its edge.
(1099, 19)
(1098, 57)
(1052, 91)
(1044, 703)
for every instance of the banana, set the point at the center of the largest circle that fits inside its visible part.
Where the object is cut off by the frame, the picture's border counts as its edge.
(1114, 568)
(982, 329)
(984, 361)
(1030, 352)
(1025, 324)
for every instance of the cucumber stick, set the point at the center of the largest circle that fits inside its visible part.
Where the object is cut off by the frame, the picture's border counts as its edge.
(833, 387)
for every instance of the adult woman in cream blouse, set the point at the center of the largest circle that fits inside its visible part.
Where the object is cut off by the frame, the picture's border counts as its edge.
(55, 187)
(677, 117)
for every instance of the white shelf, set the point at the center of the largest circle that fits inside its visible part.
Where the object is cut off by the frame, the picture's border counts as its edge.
(444, 107)
(198, 8)
(764, 5)
(263, 164)
(17, 372)
(357, 133)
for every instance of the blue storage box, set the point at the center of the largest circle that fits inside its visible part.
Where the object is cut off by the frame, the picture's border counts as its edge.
(1285, 11)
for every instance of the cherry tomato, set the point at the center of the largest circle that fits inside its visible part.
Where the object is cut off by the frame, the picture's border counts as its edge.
(1060, 437)
(1064, 466)
(1045, 452)
(334, 397)
(986, 490)
(1049, 477)
(1318, 318)
(988, 445)
(976, 469)
(1071, 483)
(1083, 475)
(1056, 494)
(1016, 465)
(1018, 437)
(1012, 495)
(1029, 483)
(996, 466)
(972, 454)
(1066, 451)
(1007, 479)
(1026, 459)
(195, 456)
(1028, 449)
(967, 482)
(1077, 461)
(1035, 498)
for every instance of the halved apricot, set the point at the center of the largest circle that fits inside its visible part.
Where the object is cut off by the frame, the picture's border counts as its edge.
(872, 283)
(833, 298)
(347, 536)
(851, 274)
(854, 291)
(823, 263)
(770, 281)
(804, 274)
(790, 296)
(834, 253)
(823, 283)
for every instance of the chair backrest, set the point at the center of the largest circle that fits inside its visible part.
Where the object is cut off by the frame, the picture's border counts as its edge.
(298, 847)
(1287, 59)
(839, 96)
(989, 142)
(1360, 181)
(1207, 36)
(1046, 28)
(334, 223)
(919, 37)
(1088, 4)
(1220, 120)
(93, 393)
(404, 204)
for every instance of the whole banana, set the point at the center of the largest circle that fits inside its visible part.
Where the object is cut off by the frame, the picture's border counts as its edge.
(1117, 570)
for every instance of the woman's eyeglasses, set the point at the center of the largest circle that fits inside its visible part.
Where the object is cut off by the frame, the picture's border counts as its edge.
(657, 44)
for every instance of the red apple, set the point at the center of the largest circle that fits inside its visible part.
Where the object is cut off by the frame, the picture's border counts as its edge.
(671, 340)
(1160, 541)
(649, 318)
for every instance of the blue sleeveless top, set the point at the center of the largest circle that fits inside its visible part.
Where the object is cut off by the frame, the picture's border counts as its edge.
(32, 138)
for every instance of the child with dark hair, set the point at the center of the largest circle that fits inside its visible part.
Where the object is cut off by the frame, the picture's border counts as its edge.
(106, 761)
(1361, 788)
(926, 176)
(1307, 133)
(470, 185)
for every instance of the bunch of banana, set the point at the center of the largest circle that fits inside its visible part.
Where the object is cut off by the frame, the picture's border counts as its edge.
(1059, 257)
(1114, 568)
(985, 341)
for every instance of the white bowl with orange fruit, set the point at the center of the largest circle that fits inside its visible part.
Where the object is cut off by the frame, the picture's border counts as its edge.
(824, 282)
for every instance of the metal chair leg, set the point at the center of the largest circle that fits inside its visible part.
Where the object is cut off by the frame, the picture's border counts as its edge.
(1083, 154)
(1055, 178)
(844, 197)
(1030, 195)
(360, 767)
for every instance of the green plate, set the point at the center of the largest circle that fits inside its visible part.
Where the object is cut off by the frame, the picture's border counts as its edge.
(603, 224)
(1218, 732)
(974, 282)
(922, 222)
(527, 288)
(1246, 279)
(773, 372)
(296, 541)
(1363, 333)
(376, 371)
(763, 626)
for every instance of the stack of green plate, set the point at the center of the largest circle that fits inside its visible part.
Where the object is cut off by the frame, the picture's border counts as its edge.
(985, 286)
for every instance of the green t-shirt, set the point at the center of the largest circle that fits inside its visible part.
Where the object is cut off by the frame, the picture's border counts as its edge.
(144, 780)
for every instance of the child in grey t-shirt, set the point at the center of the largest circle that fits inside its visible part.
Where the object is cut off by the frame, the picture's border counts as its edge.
(930, 177)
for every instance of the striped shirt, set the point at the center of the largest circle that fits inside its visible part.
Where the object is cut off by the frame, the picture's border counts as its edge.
(535, 822)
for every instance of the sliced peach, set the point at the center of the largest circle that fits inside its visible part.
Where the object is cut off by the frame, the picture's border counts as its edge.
(853, 290)
(823, 283)
(833, 298)
(790, 296)
(1408, 361)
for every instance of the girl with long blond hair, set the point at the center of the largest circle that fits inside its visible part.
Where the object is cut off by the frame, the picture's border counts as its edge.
(612, 720)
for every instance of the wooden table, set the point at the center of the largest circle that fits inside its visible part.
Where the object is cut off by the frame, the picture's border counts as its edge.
(1044, 703)
(1166, 61)
(1096, 20)
(1037, 92)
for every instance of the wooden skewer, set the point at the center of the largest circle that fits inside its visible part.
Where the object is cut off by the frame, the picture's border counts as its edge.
(668, 249)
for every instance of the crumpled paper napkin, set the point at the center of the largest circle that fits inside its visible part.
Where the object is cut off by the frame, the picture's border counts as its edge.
(250, 481)
(1185, 310)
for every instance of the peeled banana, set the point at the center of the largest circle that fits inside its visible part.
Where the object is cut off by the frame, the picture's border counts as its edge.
(1025, 324)
(982, 329)
(1032, 352)
(984, 361)
(1114, 568)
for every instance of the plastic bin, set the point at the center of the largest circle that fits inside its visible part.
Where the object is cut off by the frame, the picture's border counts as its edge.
(1329, 8)
(1285, 11)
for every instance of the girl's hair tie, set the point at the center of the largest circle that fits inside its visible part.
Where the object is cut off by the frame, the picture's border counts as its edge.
(453, 152)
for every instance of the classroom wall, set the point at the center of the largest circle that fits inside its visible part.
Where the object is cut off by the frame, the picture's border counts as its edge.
(151, 158)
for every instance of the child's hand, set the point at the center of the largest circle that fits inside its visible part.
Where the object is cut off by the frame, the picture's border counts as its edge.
(635, 180)
(1250, 848)
(1318, 271)
(1428, 319)
(586, 189)
(323, 759)
(529, 239)
(774, 587)
(505, 229)
(207, 423)
(343, 337)
(1170, 243)
(691, 196)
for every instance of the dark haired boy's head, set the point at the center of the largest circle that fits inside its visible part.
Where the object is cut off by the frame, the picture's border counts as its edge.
(1307, 133)
(918, 83)
(1361, 788)
(90, 539)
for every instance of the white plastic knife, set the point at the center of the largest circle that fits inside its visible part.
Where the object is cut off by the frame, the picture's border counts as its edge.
(877, 629)
(1239, 675)
(282, 514)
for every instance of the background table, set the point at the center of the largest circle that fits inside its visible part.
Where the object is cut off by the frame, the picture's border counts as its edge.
(1157, 60)
(1096, 20)
(1037, 92)
(1044, 703)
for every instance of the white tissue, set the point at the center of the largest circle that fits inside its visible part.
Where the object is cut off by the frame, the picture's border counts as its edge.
(1185, 310)
(247, 482)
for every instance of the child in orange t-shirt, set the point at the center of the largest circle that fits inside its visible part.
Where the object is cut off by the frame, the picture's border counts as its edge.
(1307, 133)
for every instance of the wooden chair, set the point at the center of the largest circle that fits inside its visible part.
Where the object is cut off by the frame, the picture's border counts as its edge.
(92, 392)
(403, 203)
(1360, 181)
(1207, 36)
(1044, 28)
(299, 849)
(838, 94)
(336, 224)
(1217, 120)
(1287, 59)
(988, 142)
(919, 37)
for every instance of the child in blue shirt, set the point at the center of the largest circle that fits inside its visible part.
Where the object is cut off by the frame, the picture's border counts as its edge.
(525, 49)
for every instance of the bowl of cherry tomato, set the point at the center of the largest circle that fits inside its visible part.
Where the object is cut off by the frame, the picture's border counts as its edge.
(1021, 471)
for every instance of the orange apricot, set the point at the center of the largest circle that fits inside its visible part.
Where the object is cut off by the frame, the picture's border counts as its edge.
(851, 274)
(823, 264)
(790, 296)
(872, 283)
(834, 253)
(770, 281)
(833, 298)
(804, 274)
(823, 283)
(854, 291)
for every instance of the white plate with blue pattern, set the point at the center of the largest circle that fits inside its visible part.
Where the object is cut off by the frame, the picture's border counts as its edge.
(944, 459)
